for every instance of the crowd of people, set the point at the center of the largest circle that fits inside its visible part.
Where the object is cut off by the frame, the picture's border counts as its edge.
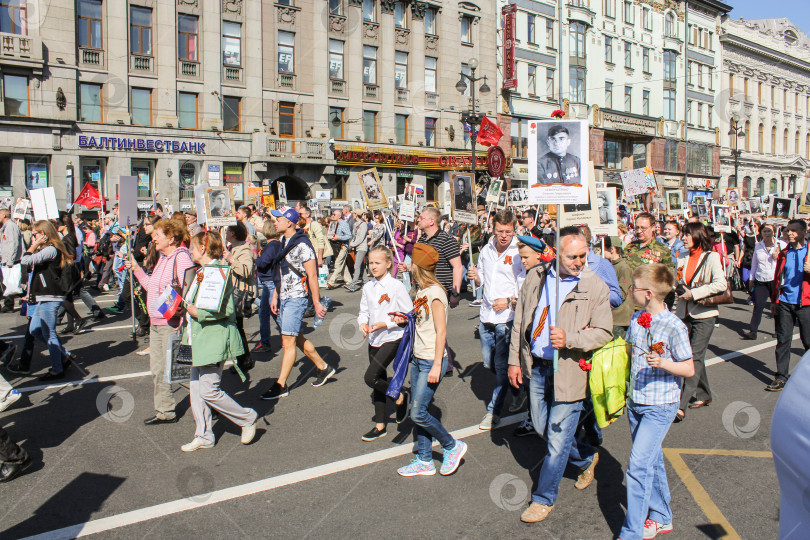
(548, 301)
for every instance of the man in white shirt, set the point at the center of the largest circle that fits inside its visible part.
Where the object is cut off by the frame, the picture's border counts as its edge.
(497, 272)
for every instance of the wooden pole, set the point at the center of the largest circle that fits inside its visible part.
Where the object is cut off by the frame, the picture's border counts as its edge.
(469, 248)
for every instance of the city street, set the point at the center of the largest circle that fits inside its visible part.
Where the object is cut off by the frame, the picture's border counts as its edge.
(98, 470)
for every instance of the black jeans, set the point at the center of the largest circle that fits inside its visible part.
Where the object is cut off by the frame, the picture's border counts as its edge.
(243, 360)
(700, 333)
(787, 315)
(761, 292)
(379, 359)
(10, 452)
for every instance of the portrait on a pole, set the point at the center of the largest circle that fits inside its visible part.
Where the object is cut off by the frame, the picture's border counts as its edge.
(558, 157)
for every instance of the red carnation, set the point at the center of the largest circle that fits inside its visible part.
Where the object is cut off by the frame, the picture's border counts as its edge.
(584, 365)
(557, 114)
(645, 320)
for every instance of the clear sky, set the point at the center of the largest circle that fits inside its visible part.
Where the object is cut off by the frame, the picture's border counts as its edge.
(795, 10)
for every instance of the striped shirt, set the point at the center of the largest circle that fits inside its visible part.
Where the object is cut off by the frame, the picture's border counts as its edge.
(448, 250)
(656, 386)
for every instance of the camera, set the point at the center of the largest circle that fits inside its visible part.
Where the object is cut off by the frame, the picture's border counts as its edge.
(680, 289)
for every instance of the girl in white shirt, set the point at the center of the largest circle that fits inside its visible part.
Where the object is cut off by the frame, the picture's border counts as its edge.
(381, 296)
(763, 266)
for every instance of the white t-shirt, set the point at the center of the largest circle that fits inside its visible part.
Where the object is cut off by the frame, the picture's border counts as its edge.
(424, 343)
(292, 283)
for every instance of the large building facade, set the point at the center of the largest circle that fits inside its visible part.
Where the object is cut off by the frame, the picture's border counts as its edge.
(766, 92)
(237, 92)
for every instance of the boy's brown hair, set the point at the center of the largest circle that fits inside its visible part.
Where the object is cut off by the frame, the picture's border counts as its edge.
(658, 277)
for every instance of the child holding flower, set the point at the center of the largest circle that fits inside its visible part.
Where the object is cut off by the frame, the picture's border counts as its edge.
(661, 358)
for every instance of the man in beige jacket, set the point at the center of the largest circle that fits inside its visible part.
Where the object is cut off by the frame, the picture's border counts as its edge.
(556, 397)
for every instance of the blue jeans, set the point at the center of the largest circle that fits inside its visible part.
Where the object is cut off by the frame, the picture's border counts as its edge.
(647, 487)
(43, 327)
(264, 311)
(495, 352)
(559, 422)
(428, 427)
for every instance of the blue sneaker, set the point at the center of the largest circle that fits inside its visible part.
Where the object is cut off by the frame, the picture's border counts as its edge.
(452, 458)
(417, 468)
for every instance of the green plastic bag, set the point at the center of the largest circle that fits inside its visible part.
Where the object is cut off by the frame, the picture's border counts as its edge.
(608, 381)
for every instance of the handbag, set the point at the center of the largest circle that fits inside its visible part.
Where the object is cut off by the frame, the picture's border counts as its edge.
(12, 277)
(181, 354)
(243, 299)
(724, 297)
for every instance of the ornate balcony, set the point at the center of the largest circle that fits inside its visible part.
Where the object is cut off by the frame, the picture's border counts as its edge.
(21, 51)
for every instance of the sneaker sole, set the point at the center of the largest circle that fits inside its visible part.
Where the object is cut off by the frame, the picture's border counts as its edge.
(328, 376)
(658, 533)
(10, 400)
(205, 447)
(271, 398)
(369, 439)
(458, 463)
(421, 473)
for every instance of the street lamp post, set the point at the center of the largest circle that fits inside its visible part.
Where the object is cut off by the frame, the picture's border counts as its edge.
(738, 132)
(472, 116)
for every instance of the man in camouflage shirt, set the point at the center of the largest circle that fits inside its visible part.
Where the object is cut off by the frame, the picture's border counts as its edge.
(645, 249)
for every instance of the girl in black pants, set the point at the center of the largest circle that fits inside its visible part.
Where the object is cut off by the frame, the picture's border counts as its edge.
(381, 296)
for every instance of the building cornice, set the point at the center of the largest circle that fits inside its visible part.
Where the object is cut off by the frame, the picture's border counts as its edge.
(766, 52)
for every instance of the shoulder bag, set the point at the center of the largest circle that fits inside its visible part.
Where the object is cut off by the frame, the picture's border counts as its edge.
(724, 297)
(243, 298)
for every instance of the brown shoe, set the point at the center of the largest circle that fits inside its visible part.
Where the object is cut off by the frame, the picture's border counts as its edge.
(586, 477)
(536, 513)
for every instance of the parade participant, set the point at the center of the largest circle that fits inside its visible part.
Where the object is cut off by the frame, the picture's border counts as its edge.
(214, 337)
(622, 313)
(316, 234)
(243, 215)
(428, 365)
(699, 276)
(658, 343)
(170, 269)
(449, 270)
(672, 238)
(403, 243)
(497, 272)
(299, 277)
(556, 398)
(11, 250)
(269, 280)
(191, 222)
(359, 244)
(645, 249)
(604, 270)
(341, 238)
(790, 299)
(381, 296)
(763, 267)
(243, 276)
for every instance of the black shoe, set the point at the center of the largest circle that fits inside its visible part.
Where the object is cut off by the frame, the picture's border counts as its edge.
(10, 471)
(155, 420)
(52, 376)
(80, 326)
(69, 328)
(98, 314)
(141, 332)
(8, 353)
(375, 434)
(68, 360)
(404, 408)
(276, 391)
(323, 375)
(749, 336)
(524, 431)
(776, 386)
(18, 369)
(243, 368)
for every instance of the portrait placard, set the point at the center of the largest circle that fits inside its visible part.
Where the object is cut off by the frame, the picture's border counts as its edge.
(557, 150)
(494, 192)
(212, 287)
(372, 189)
(21, 208)
(462, 208)
(607, 209)
(721, 216)
(780, 211)
(733, 196)
(282, 192)
(219, 207)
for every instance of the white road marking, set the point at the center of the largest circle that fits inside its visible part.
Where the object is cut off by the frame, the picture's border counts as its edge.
(251, 488)
(91, 329)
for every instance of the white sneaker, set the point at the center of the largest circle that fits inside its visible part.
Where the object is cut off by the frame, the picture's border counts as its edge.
(248, 432)
(105, 288)
(652, 529)
(11, 398)
(196, 444)
(488, 422)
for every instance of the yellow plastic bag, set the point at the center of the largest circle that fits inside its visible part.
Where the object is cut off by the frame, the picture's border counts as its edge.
(608, 381)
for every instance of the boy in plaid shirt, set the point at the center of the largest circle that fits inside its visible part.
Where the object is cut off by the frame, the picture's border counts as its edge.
(661, 358)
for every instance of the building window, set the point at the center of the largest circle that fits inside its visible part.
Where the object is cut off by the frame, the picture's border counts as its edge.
(430, 74)
(645, 60)
(610, 8)
(785, 100)
(532, 80)
(785, 142)
(700, 75)
(286, 52)
(669, 104)
(141, 105)
(519, 136)
(140, 30)
(613, 154)
(576, 43)
(430, 21)
(773, 96)
(645, 102)
(369, 14)
(628, 12)
(335, 122)
(187, 38)
(90, 105)
(399, 15)
(670, 28)
(670, 71)
(745, 88)
(92, 171)
(628, 99)
(577, 85)
(549, 33)
(639, 155)
(531, 30)
(13, 17)
(709, 116)
(465, 69)
(608, 49)
(700, 114)
(90, 23)
(188, 179)
(369, 64)
(336, 7)
(187, 110)
(401, 128)
(689, 112)
(144, 171)
(550, 86)
(796, 149)
(369, 126)
(628, 55)
(286, 120)
(646, 19)
(335, 59)
(231, 44)
(773, 140)
(747, 136)
(671, 156)
(234, 175)
(401, 69)
(430, 132)
(231, 107)
(760, 139)
(699, 159)
(15, 96)
(807, 146)
(466, 29)
(608, 95)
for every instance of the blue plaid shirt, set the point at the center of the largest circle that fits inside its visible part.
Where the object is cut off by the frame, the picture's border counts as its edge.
(656, 386)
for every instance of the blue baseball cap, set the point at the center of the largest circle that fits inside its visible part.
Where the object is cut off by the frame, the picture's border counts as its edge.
(289, 213)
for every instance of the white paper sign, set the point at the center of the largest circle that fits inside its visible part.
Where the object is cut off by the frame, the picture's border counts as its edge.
(127, 200)
(199, 202)
(634, 182)
(407, 211)
(209, 295)
(43, 202)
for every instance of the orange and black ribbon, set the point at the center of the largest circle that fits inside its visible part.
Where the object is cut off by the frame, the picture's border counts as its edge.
(421, 303)
(507, 259)
(384, 298)
(541, 324)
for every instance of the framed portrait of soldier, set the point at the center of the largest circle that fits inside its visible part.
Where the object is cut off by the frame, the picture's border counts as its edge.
(494, 192)
(804, 201)
(755, 204)
(780, 210)
(694, 209)
(372, 189)
(501, 205)
(606, 207)
(558, 159)
(282, 192)
(744, 208)
(721, 216)
(462, 202)
(674, 199)
(357, 204)
(219, 210)
(733, 196)
(702, 210)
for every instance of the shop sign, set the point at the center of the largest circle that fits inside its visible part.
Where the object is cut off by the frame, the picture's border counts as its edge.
(353, 155)
(629, 124)
(404, 174)
(141, 144)
(509, 13)
(342, 171)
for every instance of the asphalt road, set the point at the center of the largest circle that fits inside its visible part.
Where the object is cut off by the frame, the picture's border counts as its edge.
(99, 470)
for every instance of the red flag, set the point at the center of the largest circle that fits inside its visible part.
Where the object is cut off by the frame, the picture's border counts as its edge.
(489, 134)
(89, 197)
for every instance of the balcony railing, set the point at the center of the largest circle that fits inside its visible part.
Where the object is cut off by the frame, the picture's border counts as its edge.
(402, 94)
(188, 68)
(338, 87)
(297, 149)
(431, 99)
(144, 192)
(186, 194)
(19, 47)
(370, 91)
(91, 57)
(140, 62)
(233, 74)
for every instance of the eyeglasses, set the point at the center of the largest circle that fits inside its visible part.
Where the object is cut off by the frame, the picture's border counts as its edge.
(633, 288)
(640, 228)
